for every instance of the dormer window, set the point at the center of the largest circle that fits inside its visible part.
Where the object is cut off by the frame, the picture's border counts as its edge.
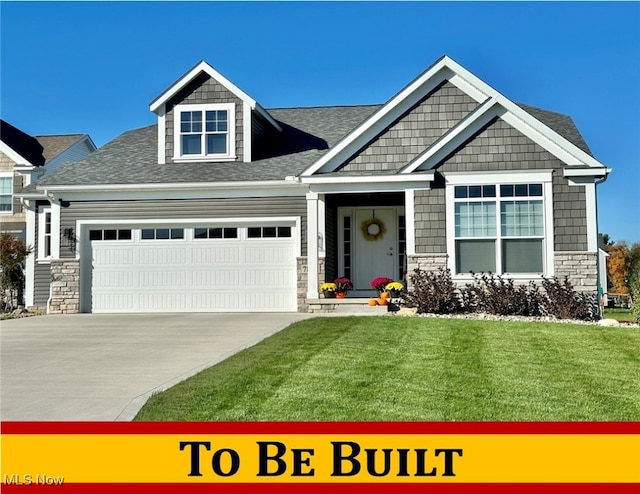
(204, 132)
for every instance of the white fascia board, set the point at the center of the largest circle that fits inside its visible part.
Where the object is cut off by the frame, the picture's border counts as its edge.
(369, 179)
(31, 195)
(381, 119)
(455, 136)
(172, 186)
(192, 74)
(585, 172)
(497, 176)
(183, 191)
(350, 188)
(19, 160)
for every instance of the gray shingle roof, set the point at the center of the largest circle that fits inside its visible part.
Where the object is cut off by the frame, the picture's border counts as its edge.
(132, 157)
(308, 133)
(562, 124)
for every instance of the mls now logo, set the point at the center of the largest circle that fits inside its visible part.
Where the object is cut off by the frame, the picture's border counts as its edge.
(28, 479)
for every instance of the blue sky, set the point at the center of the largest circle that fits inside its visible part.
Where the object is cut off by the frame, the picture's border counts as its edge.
(93, 67)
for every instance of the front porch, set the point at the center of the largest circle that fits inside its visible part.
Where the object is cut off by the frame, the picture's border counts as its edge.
(359, 236)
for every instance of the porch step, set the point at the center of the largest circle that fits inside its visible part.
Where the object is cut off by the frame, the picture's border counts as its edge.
(360, 309)
(344, 306)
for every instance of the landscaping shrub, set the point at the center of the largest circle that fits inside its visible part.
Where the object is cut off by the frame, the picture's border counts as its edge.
(493, 294)
(563, 302)
(435, 292)
(13, 252)
(432, 292)
(635, 296)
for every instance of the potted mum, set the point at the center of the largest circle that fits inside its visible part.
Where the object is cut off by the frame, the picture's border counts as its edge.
(329, 290)
(343, 285)
(380, 284)
(394, 288)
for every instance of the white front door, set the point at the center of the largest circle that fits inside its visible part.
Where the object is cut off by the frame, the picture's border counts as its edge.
(375, 252)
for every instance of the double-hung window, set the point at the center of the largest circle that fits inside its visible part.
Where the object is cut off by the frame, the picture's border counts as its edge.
(6, 192)
(499, 228)
(204, 132)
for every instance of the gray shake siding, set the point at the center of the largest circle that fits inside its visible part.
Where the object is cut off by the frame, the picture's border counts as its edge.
(415, 131)
(207, 209)
(203, 90)
(501, 147)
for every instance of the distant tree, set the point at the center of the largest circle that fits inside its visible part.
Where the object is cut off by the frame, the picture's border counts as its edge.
(605, 240)
(13, 252)
(623, 265)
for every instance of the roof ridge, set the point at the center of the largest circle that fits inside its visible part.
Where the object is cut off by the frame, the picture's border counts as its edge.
(324, 106)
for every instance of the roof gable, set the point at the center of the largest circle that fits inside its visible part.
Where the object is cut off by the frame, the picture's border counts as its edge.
(54, 145)
(200, 68)
(22, 148)
(492, 104)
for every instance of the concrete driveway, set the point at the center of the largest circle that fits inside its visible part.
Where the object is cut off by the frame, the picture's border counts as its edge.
(87, 367)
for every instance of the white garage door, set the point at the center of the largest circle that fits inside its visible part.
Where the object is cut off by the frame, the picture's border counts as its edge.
(199, 269)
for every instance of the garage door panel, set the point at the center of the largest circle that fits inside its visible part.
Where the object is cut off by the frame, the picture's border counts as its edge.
(216, 278)
(162, 301)
(160, 278)
(194, 275)
(215, 255)
(165, 255)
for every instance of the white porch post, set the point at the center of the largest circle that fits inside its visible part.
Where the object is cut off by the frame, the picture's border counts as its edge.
(410, 221)
(312, 245)
(322, 236)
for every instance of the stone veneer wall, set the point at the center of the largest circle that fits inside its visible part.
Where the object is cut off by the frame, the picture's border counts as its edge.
(580, 267)
(425, 262)
(303, 304)
(65, 293)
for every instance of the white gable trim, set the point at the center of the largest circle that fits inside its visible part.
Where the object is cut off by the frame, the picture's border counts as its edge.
(381, 119)
(214, 74)
(455, 136)
(13, 156)
(447, 69)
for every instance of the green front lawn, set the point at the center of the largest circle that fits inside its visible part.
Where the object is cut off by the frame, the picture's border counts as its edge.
(417, 369)
(622, 315)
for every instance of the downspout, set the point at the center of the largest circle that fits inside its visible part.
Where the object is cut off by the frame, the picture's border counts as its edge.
(598, 267)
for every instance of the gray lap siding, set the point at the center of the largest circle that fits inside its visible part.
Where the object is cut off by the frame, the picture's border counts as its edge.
(499, 147)
(177, 209)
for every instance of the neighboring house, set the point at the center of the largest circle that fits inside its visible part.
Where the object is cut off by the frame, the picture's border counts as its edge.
(23, 160)
(226, 206)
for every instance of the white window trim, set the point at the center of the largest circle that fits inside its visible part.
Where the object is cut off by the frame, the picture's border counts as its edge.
(42, 213)
(10, 176)
(497, 179)
(231, 133)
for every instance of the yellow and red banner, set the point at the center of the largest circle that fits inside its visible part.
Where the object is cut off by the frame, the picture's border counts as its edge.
(285, 457)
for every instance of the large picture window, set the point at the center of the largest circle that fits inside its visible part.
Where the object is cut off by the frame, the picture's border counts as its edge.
(204, 132)
(499, 229)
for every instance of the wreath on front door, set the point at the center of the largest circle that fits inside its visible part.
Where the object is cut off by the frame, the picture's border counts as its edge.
(373, 229)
